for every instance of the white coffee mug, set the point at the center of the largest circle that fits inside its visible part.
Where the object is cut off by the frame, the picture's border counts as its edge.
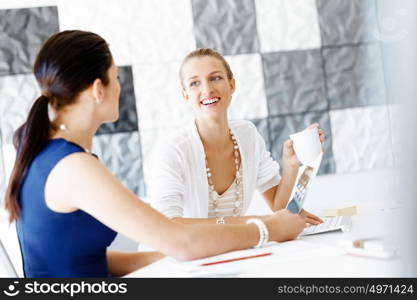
(307, 145)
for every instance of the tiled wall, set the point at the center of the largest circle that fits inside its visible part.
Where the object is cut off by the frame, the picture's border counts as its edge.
(295, 61)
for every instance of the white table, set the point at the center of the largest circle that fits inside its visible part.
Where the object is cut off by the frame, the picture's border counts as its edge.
(319, 255)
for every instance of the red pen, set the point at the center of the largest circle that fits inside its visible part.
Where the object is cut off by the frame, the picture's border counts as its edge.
(235, 259)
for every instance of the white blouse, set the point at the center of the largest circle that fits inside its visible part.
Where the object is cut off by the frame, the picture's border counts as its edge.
(178, 185)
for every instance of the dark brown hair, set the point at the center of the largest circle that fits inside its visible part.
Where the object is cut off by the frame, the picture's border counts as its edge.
(201, 52)
(67, 64)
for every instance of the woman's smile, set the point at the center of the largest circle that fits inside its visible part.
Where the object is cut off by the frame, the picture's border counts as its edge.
(210, 102)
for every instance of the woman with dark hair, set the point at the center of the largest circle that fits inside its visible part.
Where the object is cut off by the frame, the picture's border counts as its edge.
(68, 206)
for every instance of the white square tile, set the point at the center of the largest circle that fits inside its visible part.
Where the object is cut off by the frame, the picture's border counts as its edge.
(17, 94)
(248, 100)
(7, 160)
(111, 20)
(159, 100)
(9, 156)
(361, 138)
(7, 4)
(10, 241)
(3, 174)
(287, 25)
(395, 122)
(137, 31)
(161, 31)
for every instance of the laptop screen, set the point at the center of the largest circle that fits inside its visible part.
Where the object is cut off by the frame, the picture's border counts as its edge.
(303, 182)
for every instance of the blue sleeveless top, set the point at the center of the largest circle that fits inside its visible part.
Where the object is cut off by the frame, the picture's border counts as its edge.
(58, 244)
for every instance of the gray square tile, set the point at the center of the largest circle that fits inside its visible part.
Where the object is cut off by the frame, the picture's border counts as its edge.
(128, 117)
(347, 22)
(294, 82)
(281, 127)
(227, 26)
(354, 76)
(22, 32)
(263, 128)
(122, 154)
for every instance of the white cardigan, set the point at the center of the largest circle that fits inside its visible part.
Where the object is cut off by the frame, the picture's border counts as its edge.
(178, 184)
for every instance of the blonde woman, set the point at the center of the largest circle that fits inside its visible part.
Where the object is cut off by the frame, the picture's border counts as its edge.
(209, 171)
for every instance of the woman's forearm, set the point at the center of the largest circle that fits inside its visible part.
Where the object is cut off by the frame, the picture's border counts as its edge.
(283, 192)
(227, 220)
(122, 263)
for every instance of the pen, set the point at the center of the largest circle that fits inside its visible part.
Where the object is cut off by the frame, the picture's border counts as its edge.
(235, 259)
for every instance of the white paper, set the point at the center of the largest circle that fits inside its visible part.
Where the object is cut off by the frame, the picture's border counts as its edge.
(286, 251)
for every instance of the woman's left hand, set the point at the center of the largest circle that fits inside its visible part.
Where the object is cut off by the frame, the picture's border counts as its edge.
(288, 154)
(310, 218)
(321, 133)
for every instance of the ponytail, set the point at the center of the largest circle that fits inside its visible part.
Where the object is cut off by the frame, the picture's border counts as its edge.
(28, 140)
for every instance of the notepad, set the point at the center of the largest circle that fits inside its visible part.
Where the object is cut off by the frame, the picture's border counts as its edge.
(346, 211)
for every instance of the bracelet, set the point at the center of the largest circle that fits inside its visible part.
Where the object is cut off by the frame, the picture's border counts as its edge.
(263, 232)
(220, 220)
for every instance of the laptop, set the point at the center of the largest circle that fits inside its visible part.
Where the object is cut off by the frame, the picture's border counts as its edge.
(305, 177)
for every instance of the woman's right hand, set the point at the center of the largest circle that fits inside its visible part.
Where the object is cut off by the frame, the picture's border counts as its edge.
(284, 225)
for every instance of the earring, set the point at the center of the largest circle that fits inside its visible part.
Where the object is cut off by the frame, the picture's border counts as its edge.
(63, 127)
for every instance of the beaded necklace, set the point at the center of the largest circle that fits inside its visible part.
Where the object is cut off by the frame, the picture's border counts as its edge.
(213, 196)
